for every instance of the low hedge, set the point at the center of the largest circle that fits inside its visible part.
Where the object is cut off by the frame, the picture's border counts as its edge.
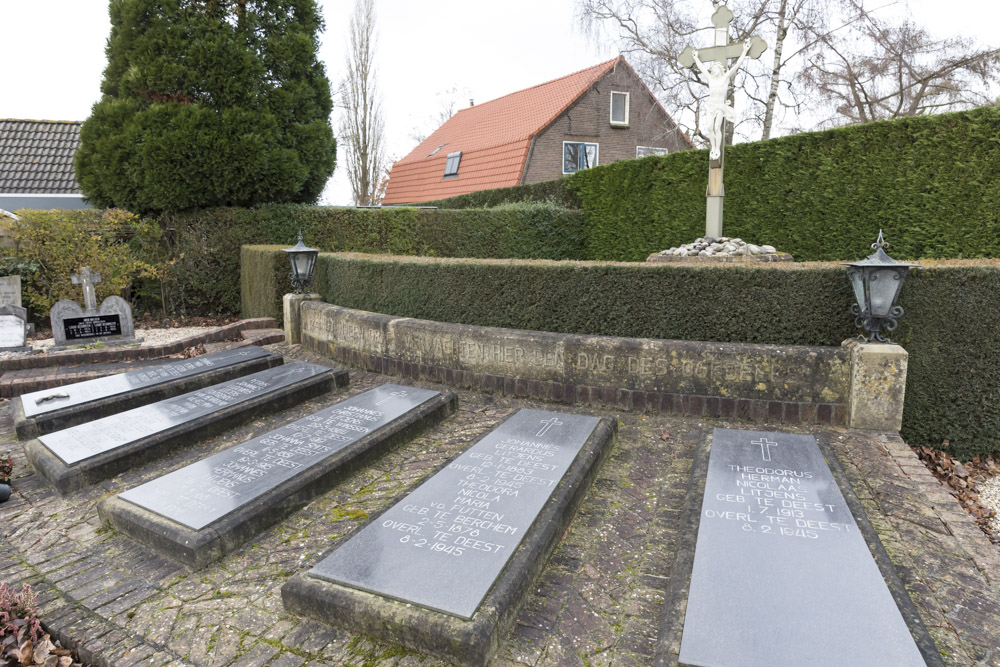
(953, 313)
(556, 192)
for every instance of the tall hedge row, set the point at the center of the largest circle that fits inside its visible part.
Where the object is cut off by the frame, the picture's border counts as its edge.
(949, 329)
(930, 182)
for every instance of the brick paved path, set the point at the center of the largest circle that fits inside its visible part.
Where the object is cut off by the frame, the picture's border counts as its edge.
(598, 602)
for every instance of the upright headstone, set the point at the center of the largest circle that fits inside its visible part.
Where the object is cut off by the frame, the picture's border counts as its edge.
(10, 291)
(13, 328)
(56, 408)
(782, 575)
(109, 323)
(207, 509)
(717, 110)
(449, 564)
(72, 458)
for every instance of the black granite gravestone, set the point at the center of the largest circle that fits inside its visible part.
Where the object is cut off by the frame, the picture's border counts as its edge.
(202, 511)
(449, 551)
(57, 408)
(782, 574)
(99, 449)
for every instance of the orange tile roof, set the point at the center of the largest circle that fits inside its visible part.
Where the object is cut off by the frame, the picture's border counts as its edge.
(494, 138)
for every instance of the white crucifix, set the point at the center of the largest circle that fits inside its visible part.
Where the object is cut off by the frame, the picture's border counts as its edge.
(717, 110)
(548, 423)
(765, 447)
(395, 394)
(87, 280)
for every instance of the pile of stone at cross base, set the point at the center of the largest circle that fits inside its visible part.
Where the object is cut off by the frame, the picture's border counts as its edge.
(708, 246)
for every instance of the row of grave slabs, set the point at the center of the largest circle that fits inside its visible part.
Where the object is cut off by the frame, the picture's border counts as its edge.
(773, 525)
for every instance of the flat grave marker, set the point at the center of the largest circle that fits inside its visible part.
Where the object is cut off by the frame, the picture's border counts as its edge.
(782, 575)
(52, 409)
(202, 511)
(92, 451)
(441, 570)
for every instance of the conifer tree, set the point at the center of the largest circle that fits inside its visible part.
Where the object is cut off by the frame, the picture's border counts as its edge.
(209, 103)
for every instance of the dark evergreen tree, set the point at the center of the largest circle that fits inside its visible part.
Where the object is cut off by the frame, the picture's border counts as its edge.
(209, 103)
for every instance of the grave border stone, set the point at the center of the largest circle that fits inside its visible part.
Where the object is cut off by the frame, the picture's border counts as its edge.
(197, 548)
(55, 420)
(74, 477)
(676, 592)
(469, 642)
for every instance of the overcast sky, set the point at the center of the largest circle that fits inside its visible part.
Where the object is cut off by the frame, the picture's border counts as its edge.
(53, 54)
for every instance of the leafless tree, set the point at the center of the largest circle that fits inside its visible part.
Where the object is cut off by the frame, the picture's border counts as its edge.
(883, 69)
(362, 126)
(652, 33)
(448, 103)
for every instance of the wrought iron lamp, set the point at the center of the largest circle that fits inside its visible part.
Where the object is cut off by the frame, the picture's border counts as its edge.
(303, 260)
(877, 281)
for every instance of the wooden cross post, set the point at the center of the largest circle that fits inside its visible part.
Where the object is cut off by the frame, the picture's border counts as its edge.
(717, 110)
(87, 279)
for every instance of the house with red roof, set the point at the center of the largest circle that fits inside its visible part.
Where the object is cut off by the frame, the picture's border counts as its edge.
(595, 116)
(36, 164)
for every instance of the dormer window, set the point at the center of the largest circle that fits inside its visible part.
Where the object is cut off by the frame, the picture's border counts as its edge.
(619, 109)
(451, 167)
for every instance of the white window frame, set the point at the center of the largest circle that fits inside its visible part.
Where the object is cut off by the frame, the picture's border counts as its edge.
(611, 111)
(597, 155)
(656, 150)
(457, 156)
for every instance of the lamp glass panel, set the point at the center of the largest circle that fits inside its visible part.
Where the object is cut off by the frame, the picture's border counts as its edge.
(883, 285)
(856, 277)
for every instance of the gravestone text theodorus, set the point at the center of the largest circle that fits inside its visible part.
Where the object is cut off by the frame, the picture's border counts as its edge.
(782, 575)
(67, 405)
(464, 523)
(111, 322)
(446, 569)
(13, 328)
(209, 507)
(96, 450)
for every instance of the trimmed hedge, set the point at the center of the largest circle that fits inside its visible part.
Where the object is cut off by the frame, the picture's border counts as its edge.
(931, 182)
(210, 240)
(546, 191)
(953, 314)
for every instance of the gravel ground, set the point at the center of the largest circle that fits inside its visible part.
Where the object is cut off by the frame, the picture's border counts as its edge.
(989, 495)
(148, 336)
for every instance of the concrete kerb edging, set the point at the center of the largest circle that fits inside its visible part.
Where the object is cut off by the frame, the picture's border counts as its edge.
(859, 385)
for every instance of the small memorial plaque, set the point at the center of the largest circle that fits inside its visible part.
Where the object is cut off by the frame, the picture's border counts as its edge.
(81, 442)
(92, 326)
(208, 490)
(782, 575)
(444, 544)
(48, 400)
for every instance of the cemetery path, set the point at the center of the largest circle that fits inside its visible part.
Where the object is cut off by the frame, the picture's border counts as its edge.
(599, 601)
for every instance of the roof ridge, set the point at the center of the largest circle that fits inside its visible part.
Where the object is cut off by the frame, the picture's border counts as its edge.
(32, 120)
(606, 63)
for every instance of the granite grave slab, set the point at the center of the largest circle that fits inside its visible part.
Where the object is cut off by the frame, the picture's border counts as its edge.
(207, 509)
(782, 575)
(87, 453)
(57, 408)
(445, 569)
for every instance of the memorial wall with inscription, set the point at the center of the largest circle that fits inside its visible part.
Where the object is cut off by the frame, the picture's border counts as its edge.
(776, 378)
(206, 509)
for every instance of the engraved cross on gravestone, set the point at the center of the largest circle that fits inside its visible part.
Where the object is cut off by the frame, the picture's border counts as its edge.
(87, 280)
(717, 109)
(548, 423)
(393, 395)
(765, 447)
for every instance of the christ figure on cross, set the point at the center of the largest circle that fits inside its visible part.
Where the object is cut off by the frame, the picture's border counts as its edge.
(717, 109)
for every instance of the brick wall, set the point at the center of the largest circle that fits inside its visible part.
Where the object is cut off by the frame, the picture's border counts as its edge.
(589, 120)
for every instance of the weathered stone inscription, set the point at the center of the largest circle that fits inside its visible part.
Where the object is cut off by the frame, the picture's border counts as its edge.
(463, 524)
(84, 441)
(208, 490)
(47, 400)
(781, 566)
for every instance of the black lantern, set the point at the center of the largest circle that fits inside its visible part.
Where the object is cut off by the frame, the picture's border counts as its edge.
(303, 261)
(877, 281)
